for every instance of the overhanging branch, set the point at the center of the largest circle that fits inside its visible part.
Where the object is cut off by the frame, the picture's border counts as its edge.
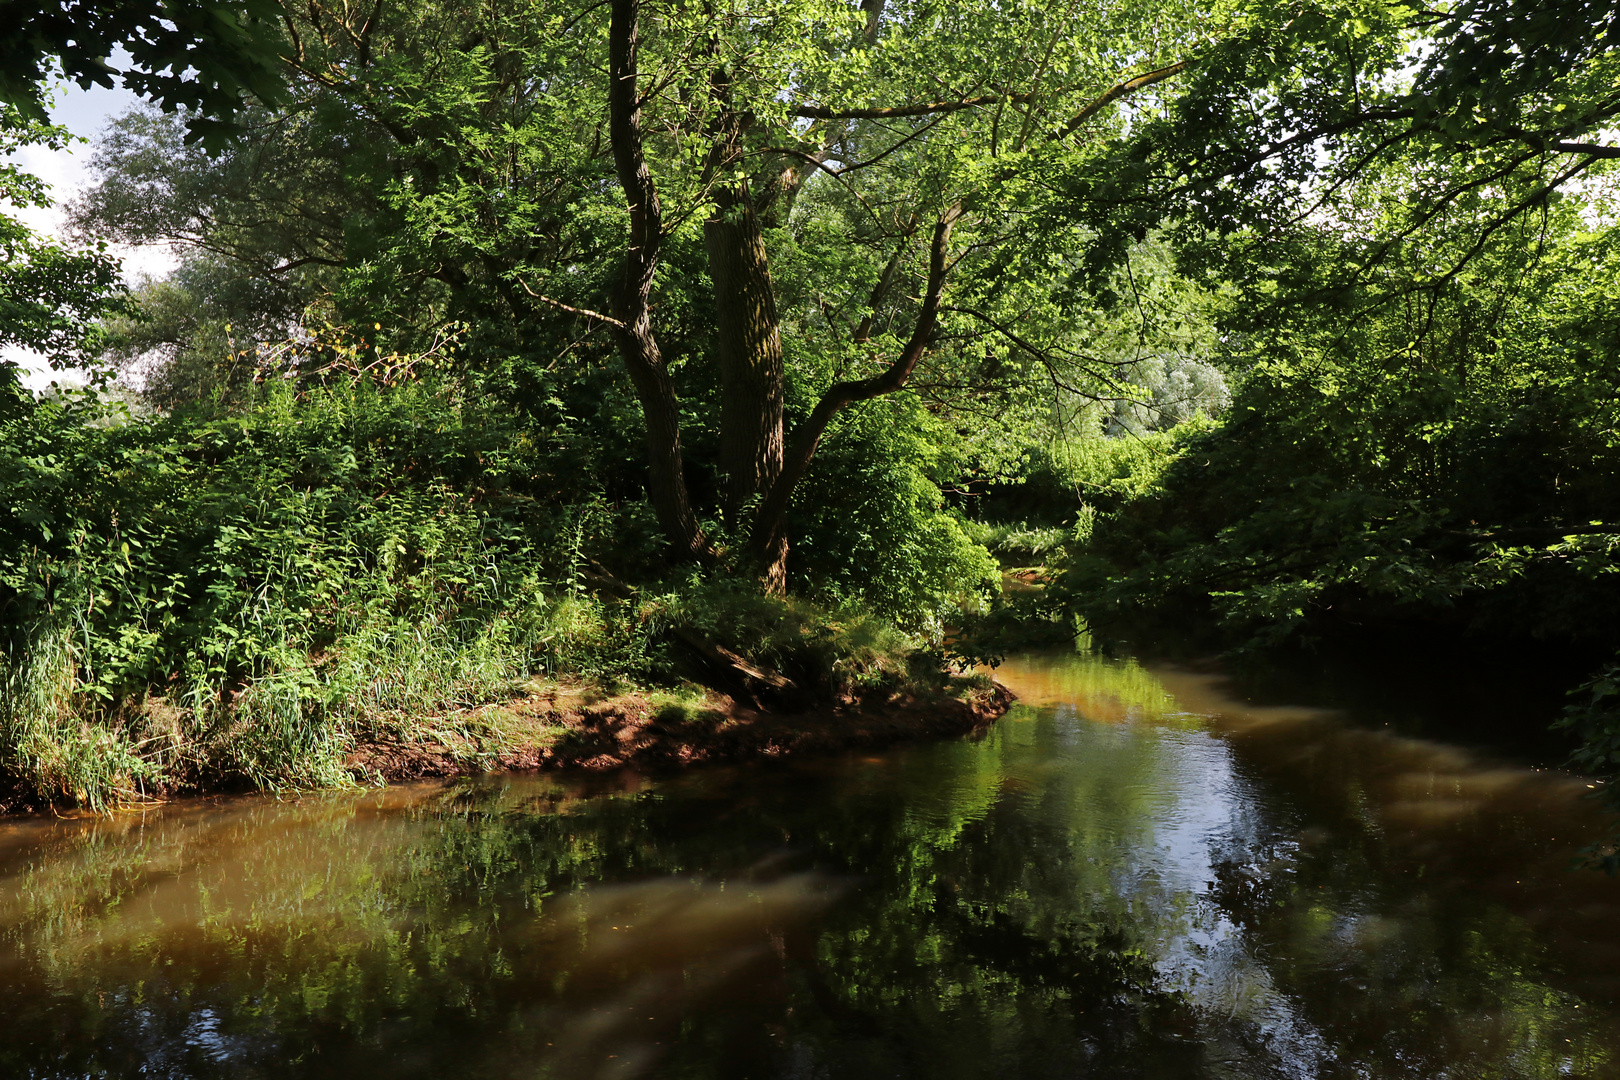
(772, 515)
(1117, 91)
(571, 309)
(929, 108)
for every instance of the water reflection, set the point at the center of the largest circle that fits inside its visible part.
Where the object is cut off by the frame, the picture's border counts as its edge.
(1377, 905)
(1134, 875)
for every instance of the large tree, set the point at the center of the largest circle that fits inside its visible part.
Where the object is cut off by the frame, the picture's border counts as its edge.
(934, 122)
(760, 207)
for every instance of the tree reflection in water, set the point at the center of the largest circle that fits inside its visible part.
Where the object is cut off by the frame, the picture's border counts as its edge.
(1136, 878)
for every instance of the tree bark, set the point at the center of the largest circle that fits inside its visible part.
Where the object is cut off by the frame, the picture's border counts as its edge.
(749, 350)
(638, 346)
(769, 536)
(752, 375)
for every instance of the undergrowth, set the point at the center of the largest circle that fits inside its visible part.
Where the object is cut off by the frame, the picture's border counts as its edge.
(241, 597)
(842, 652)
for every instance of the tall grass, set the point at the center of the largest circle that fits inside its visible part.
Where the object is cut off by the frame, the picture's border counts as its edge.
(245, 596)
(48, 746)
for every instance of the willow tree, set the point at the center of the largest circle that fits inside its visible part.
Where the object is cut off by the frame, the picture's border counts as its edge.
(933, 124)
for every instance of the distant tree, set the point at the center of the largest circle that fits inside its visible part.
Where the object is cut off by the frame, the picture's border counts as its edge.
(258, 225)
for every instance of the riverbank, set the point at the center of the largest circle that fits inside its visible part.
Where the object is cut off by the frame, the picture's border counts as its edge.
(580, 728)
(583, 727)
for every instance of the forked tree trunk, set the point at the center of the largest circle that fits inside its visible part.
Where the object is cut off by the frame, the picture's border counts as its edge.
(756, 460)
(769, 534)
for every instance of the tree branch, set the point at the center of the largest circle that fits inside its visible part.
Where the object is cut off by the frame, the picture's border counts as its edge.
(1117, 91)
(560, 306)
(1042, 357)
(769, 524)
(816, 112)
(1546, 145)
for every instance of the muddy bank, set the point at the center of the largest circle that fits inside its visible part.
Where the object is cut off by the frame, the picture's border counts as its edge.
(560, 729)
(554, 726)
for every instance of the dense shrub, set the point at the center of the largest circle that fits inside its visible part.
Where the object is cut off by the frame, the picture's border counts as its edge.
(239, 592)
(1452, 462)
(870, 522)
(245, 591)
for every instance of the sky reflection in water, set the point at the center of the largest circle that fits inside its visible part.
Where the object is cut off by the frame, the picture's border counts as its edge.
(1132, 875)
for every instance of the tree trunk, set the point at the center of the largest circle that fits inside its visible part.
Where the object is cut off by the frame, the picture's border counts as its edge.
(661, 415)
(749, 350)
(637, 344)
(769, 535)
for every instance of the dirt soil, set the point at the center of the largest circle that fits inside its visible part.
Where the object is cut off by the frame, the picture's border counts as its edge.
(559, 728)
(555, 726)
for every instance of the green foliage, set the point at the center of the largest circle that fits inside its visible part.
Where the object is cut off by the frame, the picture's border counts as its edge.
(1307, 333)
(870, 521)
(1112, 471)
(50, 294)
(1015, 545)
(206, 56)
(243, 592)
(414, 183)
(840, 653)
(246, 592)
(179, 350)
(1447, 456)
(1070, 479)
(1292, 119)
(1595, 720)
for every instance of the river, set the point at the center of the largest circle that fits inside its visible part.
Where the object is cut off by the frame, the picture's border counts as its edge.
(1135, 874)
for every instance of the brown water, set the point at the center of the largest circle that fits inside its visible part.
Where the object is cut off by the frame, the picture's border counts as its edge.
(1133, 875)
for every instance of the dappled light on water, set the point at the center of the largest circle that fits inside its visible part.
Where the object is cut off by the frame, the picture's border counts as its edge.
(1133, 875)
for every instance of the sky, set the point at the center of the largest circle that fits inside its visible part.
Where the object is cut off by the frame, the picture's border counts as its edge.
(85, 113)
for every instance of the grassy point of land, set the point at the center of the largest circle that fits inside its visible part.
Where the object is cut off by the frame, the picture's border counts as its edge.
(586, 726)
